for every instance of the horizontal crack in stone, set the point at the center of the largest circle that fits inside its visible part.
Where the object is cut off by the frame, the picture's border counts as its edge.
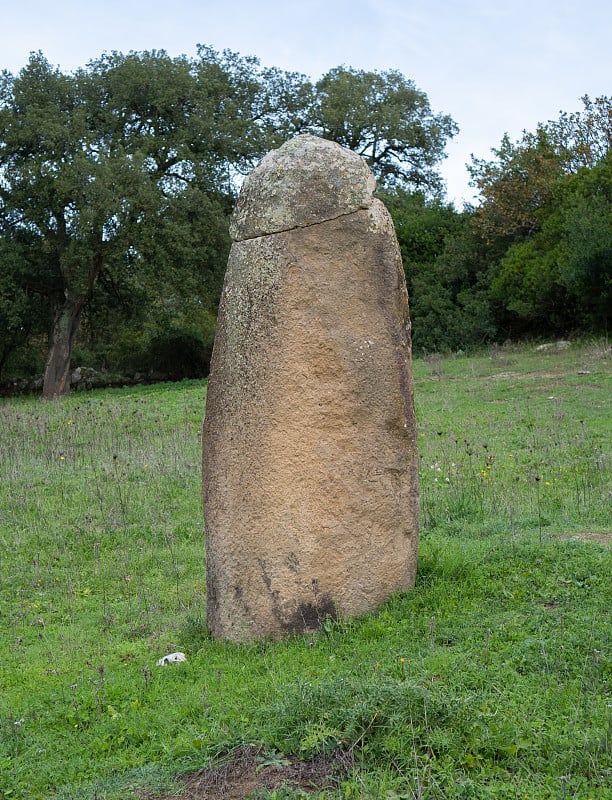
(301, 227)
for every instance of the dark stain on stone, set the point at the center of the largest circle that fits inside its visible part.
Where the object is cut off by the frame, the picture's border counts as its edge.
(274, 593)
(293, 562)
(310, 616)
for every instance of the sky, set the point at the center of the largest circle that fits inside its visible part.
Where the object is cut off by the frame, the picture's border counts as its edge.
(495, 67)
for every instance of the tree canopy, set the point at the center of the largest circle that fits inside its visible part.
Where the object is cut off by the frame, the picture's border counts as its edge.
(387, 120)
(117, 182)
(546, 216)
(121, 172)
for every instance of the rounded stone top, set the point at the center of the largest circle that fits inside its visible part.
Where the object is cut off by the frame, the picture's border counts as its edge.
(306, 181)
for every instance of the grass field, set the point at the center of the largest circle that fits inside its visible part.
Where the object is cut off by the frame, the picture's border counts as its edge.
(490, 680)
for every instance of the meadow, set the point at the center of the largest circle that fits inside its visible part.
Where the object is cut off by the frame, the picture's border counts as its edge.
(491, 679)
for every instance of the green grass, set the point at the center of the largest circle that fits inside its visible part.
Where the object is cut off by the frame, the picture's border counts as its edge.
(489, 680)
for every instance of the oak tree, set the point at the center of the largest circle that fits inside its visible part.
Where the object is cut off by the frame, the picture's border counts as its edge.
(122, 171)
(385, 118)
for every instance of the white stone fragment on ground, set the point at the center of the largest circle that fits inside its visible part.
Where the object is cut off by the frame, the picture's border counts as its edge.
(172, 658)
(560, 345)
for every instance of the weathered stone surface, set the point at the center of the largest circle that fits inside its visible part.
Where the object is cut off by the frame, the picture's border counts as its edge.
(310, 457)
(306, 181)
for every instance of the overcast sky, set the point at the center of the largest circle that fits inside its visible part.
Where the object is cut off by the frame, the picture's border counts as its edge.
(495, 67)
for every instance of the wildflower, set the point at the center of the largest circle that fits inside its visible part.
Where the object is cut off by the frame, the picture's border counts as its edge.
(62, 458)
(402, 660)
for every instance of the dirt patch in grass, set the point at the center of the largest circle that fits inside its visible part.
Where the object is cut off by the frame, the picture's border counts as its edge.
(588, 536)
(529, 375)
(247, 771)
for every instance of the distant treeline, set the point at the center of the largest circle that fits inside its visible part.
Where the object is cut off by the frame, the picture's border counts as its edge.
(117, 182)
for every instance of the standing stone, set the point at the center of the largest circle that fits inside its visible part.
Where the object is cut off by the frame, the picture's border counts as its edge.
(310, 452)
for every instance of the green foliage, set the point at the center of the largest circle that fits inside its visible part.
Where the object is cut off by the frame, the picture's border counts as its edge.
(449, 304)
(488, 679)
(545, 219)
(514, 187)
(387, 120)
(586, 267)
(422, 225)
(179, 354)
(23, 314)
(561, 276)
(527, 282)
(121, 175)
(119, 180)
(581, 139)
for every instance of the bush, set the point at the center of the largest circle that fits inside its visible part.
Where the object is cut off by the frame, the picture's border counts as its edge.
(180, 354)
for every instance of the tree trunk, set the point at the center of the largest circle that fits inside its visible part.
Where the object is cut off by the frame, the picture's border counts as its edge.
(57, 370)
